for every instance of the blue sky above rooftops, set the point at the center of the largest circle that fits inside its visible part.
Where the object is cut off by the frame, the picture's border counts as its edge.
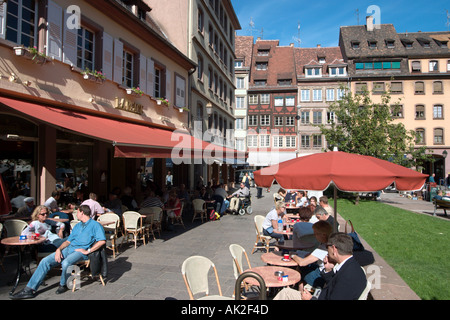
(320, 20)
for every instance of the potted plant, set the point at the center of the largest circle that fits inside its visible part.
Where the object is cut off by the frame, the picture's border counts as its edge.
(183, 109)
(164, 101)
(93, 75)
(135, 91)
(31, 53)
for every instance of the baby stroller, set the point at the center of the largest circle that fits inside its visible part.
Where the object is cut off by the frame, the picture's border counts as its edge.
(245, 205)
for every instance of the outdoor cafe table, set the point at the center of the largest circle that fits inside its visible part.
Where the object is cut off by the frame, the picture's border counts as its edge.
(269, 277)
(15, 241)
(276, 259)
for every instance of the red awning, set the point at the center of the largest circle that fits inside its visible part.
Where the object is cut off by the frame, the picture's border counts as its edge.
(131, 140)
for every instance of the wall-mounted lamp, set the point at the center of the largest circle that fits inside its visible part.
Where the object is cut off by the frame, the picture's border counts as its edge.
(209, 108)
(91, 100)
(13, 77)
(27, 83)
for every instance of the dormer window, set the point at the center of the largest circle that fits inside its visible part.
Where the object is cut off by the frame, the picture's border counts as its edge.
(390, 43)
(407, 43)
(424, 42)
(321, 59)
(442, 43)
(372, 44)
(355, 44)
(313, 72)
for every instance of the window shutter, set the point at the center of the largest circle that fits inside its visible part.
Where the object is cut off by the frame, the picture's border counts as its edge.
(107, 65)
(420, 88)
(437, 87)
(3, 20)
(118, 61)
(168, 85)
(150, 77)
(70, 43)
(54, 30)
(143, 73)
(180, 100)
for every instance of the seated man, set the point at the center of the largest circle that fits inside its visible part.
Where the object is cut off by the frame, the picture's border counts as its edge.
(86, 237)
(344, 281)
(95, 207)
(235, 201)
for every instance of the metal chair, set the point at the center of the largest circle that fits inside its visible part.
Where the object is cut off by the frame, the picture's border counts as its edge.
(132, 224)
(199, 208)
(111, 229)
(195, 271)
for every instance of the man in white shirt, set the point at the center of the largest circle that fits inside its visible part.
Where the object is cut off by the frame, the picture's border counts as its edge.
(52, 202)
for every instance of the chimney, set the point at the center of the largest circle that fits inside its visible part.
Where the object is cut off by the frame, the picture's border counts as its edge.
(318, 46)
(369, 23)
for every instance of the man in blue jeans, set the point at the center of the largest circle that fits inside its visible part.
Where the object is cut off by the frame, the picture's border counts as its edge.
(87, 236)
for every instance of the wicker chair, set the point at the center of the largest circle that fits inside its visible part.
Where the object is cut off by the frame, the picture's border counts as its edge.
(195, 271)
(199, 209)
(132, 224)
(260, 238)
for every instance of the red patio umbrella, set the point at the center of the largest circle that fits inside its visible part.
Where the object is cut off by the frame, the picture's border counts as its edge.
(346, 171)
(5, 203)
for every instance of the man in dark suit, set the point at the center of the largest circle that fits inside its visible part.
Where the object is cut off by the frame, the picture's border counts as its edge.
(344, 281)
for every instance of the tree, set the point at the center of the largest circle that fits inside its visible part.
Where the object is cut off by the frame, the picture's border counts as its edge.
(367, 128)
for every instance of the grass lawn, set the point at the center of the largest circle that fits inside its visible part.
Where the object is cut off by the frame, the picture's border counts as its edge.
(417, 246)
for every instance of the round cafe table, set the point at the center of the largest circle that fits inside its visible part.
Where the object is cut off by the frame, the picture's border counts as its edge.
(276, 259)
(271, 280)
(15, 241)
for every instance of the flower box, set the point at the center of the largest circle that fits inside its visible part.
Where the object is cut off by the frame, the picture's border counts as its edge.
(31, 54)
(134, 91)
(94, 76)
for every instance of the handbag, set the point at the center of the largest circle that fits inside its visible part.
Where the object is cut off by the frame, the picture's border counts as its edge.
(357, 245)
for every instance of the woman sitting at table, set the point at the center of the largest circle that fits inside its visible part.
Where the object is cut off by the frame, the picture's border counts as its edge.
(174, 204)
(42, 225)
(270, 223)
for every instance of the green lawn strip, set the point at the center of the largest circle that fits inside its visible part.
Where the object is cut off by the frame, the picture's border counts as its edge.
(417, 246)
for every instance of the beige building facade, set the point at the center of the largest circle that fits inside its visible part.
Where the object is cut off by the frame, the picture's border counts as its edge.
(415, 67)
(84, 93)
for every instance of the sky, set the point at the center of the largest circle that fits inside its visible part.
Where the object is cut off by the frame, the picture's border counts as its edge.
(320, 20)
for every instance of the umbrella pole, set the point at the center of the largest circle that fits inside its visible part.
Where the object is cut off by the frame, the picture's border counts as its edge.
(335, 209)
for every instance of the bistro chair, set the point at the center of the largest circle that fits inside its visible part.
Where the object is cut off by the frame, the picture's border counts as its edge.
(260, 237)
(111, 229)
(237, 252)
(14, 227)
(199, 209)
(152, 221)
(195, 271)
(132, 224)
(366, 291)
(179, 219)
